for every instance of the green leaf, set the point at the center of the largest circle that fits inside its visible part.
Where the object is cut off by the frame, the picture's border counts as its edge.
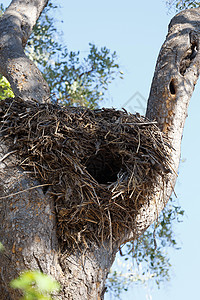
(46, 283)
(35, 285)
(1, 247)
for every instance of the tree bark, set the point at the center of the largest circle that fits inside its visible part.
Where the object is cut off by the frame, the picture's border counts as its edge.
(16, 26)
(27, 218)
(175, 77)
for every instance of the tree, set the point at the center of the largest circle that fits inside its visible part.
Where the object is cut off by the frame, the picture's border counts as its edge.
(38, 247)
(98, 69)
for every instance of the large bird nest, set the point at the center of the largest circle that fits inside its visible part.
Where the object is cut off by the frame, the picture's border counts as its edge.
(101, 164)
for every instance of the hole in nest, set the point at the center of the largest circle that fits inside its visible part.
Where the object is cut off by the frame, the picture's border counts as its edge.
(104, 166)
(172, 87)
(45, 189)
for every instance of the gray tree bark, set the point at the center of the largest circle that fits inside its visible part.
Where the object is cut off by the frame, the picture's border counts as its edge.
(16, 26)
(27, 218)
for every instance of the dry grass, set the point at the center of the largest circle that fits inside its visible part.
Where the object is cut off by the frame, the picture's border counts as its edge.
(101, 163)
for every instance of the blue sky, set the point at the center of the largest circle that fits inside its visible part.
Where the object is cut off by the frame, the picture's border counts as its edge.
(136, 30)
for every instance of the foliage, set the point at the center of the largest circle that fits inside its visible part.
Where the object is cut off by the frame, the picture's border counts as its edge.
(1, 247)
(35, 285)
(5, 89)
(182, 4)
(73, 79)
(147, 257)
(84, 84)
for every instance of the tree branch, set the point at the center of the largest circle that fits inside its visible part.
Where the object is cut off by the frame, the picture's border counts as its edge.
(176, 74)
(16, 25)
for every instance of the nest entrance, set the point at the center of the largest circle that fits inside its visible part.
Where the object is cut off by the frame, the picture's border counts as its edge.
(101, 164)
(104, 166)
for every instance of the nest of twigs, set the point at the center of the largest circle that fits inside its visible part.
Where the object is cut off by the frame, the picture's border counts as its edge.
(100, 164)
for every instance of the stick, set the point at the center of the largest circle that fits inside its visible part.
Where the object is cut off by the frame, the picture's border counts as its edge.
(20, 192)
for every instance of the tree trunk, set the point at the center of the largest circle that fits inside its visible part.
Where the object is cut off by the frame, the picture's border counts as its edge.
(28, 232)
(28, 222)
